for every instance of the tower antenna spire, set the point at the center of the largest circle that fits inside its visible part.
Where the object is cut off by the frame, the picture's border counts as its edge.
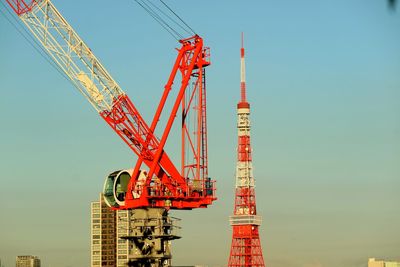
(242, 74)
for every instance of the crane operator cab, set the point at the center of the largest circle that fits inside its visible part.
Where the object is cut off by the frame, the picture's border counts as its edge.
(116, 186)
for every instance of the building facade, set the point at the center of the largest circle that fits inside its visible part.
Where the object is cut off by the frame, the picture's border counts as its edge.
(392, 264)
(372, 262)
(27, 261)
(108, 248)
(103, 245)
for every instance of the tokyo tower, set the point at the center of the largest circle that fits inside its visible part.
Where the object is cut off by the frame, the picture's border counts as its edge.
(246, 247)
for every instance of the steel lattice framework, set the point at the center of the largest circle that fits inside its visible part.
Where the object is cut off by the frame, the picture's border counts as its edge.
(184, 188)
(246, 247)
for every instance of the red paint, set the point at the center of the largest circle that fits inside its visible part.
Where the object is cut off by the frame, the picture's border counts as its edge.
(21, 7)
(246, 247)
(191, 187)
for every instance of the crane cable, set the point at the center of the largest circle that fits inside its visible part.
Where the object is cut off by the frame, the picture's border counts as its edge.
(169, 17)
(159, 19)
(157, 13)
(178, 16)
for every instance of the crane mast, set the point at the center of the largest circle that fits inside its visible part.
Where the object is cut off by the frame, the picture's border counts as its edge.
(185, 188)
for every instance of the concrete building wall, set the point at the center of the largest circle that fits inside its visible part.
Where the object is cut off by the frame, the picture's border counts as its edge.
(392, 264)
(107, 228)
(27, 261)
(372, 262)
(103, 234)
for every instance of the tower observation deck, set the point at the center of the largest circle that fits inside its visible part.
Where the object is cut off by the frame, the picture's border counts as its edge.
(245, 248)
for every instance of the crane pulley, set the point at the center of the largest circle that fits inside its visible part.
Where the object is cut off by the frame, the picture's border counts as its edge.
(162, 184)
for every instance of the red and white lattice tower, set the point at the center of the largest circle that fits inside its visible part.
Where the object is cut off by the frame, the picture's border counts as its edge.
(246, 248)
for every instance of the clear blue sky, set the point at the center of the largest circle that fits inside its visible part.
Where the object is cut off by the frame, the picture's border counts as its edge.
(323, 79)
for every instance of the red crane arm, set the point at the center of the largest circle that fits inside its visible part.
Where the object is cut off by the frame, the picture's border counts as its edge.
(188, 188)
(20, 7)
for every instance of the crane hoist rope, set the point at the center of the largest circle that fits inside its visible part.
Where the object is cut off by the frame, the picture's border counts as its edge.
(176, 15)
(157, 14)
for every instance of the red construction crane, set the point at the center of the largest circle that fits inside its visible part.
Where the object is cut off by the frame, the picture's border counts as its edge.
(163, 184)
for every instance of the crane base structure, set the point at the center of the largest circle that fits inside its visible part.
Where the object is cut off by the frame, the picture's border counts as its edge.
(150, 233)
